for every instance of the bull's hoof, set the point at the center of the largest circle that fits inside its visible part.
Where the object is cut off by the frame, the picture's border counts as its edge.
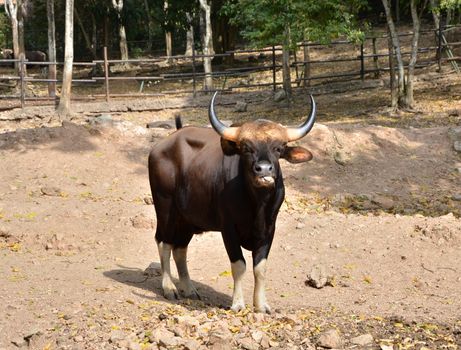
(171, 293)
(193, 295)
(238, 306)
(264, 309)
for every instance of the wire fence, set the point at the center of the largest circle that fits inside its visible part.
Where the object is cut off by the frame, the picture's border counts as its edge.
(312, 64)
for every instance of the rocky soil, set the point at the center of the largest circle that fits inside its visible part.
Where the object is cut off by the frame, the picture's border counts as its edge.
(366, 254)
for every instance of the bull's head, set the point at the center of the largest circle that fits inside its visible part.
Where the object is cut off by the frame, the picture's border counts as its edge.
(262, 143)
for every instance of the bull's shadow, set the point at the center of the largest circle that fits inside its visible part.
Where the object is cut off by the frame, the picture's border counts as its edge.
(150, 287)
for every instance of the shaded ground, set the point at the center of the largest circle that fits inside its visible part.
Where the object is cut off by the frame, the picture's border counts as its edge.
(378, 208)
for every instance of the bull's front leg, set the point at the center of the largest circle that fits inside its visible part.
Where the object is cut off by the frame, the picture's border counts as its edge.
(259, 271)
(238, 265)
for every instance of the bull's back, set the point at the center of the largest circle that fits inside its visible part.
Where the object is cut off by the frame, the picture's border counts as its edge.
(170, 161)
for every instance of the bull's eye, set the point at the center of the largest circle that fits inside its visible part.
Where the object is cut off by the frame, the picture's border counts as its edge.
(278, 149)
(247, 149)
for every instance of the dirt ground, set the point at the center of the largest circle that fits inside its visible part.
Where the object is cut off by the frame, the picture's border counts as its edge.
(377, 210)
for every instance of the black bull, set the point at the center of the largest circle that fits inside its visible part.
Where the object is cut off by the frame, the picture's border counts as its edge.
(229, 180)
(31, 56)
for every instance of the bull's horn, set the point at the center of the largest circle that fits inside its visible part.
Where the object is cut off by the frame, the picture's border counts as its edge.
(226, 132)
(302, 130)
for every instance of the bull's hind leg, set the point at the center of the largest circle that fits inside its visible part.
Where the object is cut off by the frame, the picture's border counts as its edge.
(185, 285)
(169, 289)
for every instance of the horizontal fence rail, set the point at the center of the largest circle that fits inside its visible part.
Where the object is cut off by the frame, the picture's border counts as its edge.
(238, 69)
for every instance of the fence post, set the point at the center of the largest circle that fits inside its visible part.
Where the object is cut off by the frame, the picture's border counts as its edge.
(194, 82)
(375, 59)
(106, 74)
(21, 79)
(274, 82)
(439, 46)
(362, 63)
(298, 81)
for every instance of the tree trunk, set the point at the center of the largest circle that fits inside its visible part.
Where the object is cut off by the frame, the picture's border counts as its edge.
(150, 26)
(64, 103)
(394, 93)
(286, 63)
(168, 41)
(51, 47)
(307, 66)
(409, 99)
(86, 37)
(22, 49)
(208, 44)
(398, 54)
(94, 36)
(435, 16)
(12, 12)
(118, 6)
(189, 36)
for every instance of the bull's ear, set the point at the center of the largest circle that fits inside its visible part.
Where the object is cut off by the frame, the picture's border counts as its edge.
(229, 148)
(296, 154)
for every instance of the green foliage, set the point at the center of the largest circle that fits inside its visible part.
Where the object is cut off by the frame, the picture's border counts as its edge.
(266, 22)
(450, 4)
(4, 30)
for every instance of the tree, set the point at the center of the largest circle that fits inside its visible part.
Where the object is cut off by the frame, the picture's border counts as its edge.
(118, 6)
(51, 47)
(168, 37)
(287, 22)
(64, 103)
(405, 98)
(205, 5)
(150, 26)
(189, 36)
(12, 11)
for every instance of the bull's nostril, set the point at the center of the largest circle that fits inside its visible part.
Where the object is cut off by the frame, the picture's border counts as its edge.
(258, 168)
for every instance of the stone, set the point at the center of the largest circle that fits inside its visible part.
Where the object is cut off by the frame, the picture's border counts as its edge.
(187, 321)
(455, 133)
(241, 106)
(220, 336)
(78, 339)
(386, 347)
(318, 277)
(248, 344)
(456, 197)
(132, 345)
(363, 340)
(300, 225)
(330, 339)
(257, 336)
(191, 344)
(103, 119)
(168, 341)
(341, 158)
(280, 95)
(162, 124)
(153, 270)
(161, 335)
(141, 221)
(19, 342)
(457, 146)
(116, 335)
(128, 128)
(51, 191)
(383, 202)
(148, 200)
(454, 113)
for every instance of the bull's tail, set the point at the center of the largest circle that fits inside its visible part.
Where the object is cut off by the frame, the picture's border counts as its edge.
(178, 122)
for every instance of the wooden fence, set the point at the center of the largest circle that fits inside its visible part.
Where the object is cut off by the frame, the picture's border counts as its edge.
(250, 69)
